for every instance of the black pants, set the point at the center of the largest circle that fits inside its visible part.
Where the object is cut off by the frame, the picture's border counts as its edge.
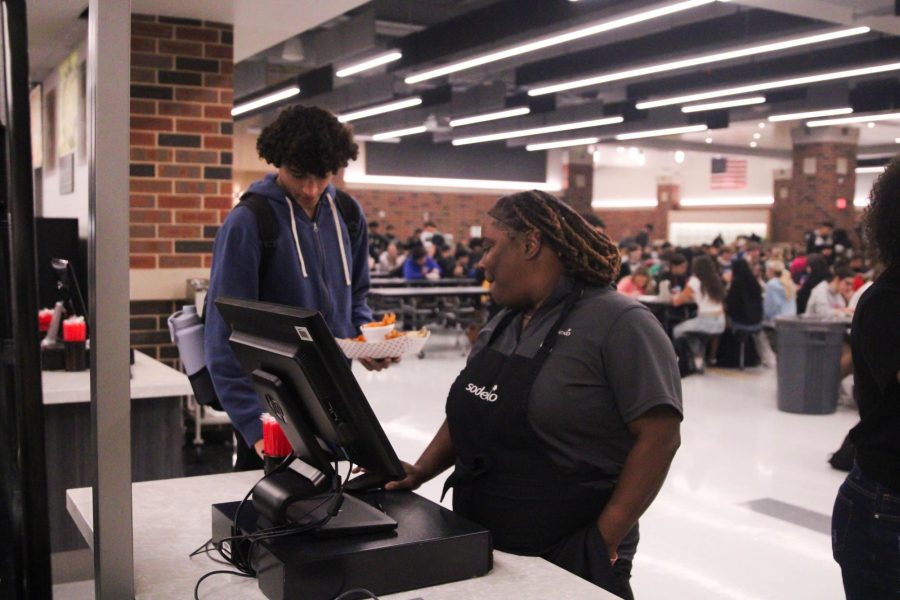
(584, 554)
(247, 458)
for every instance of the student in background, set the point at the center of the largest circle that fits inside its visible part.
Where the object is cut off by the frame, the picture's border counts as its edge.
(830, 296)
(419, 265)
(636, 284)
(781, 292)
(705, 289)
(864, 523)
(817, 271)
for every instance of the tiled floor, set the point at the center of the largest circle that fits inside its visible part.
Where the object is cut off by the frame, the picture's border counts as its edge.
(742, 512)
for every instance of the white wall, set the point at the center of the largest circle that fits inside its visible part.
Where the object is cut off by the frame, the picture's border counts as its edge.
(55, 204)
(620, 176)
(864, 182)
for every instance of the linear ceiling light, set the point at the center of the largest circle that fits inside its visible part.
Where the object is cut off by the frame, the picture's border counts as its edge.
(878, 169)
(857, 119)
(508, 135)
(370, 63)
(723, 104)
(503, 114)
(661, 132)
(428, 182)
(828, 112)
(627, 203)
(265, 101)
(380, 109)
(556, 40)
(747, 201)
(562, 144)
(699, 60)
(770, 85)
(389, 135)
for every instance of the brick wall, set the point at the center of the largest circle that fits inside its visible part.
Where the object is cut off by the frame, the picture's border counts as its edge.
(149, 331)
(181, 139)
(451, 212)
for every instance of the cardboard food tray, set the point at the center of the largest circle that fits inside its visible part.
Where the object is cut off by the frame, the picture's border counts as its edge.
(410, 342)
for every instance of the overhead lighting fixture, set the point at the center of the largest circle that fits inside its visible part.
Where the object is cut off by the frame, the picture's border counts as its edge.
(661, 132)
(753, 144)
(724, 104)
(562, 144)
(812, 114)
(627, 203)
(429, 182)
(858, 119)
(878, 169)
(749, 201)
(699, 60)
(265, 101)
(369, 63)
(380, 109)
(508, 135)
(389, 135)
(555, 40)
(679, 156)
(502, 114)
(769, 85)
(709, 140)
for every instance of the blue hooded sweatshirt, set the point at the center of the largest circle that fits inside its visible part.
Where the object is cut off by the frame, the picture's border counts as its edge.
(237, 253)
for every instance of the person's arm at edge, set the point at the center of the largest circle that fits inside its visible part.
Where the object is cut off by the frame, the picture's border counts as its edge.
(437, 458)
(657, 438)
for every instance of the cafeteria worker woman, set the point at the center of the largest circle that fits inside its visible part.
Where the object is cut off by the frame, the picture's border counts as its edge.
(562, 426)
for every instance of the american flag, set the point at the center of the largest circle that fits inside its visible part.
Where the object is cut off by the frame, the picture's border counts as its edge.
(728, 174)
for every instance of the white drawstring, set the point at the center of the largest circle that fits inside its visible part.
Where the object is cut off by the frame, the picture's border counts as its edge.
(296, 237)
(340, 237)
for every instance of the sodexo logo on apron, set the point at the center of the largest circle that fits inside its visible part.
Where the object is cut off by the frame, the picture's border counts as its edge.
(480, 392)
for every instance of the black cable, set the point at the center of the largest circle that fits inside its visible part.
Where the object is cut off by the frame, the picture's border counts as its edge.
(210, 574)
(234, 555)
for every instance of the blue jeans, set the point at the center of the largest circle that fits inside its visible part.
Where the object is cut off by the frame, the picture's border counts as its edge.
(865, 538)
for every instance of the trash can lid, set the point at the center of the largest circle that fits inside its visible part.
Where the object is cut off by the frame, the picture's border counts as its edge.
(804, 322)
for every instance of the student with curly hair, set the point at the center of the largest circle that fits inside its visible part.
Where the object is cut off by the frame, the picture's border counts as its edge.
(317, 257)
(563, 423)
(865, 524)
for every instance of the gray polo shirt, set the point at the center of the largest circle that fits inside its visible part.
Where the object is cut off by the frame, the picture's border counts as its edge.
(611, 364)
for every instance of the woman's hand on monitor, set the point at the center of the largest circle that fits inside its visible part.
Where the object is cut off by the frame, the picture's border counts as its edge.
(415, 476)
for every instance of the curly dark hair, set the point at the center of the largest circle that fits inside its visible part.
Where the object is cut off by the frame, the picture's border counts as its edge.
(307, 140)
(882, 219)
(586, 254)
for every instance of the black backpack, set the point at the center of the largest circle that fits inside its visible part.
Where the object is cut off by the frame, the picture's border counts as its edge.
(268, 226)
(689, 362)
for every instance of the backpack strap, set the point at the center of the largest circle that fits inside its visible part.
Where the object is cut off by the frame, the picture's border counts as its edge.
(266, 224)
(350, 212)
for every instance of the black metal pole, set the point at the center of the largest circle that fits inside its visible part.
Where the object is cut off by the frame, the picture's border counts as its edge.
(25, 484)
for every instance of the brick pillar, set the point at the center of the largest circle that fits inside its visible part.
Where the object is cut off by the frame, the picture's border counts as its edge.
(181, 139)
(578, 179)
(823, 171)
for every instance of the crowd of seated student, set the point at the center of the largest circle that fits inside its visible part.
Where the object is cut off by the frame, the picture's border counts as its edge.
(423, 255)
(743, 287)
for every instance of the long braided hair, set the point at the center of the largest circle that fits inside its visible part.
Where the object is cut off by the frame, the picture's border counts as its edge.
(586, 254)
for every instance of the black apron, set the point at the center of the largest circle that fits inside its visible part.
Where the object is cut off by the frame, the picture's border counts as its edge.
(504, 478)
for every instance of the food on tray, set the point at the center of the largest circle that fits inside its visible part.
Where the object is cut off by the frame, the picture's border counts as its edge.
(395, 344)
(388, 319)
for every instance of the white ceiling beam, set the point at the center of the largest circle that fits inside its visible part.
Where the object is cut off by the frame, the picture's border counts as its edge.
(828, 11)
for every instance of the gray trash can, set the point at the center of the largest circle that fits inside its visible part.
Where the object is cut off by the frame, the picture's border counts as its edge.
(809, 364)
